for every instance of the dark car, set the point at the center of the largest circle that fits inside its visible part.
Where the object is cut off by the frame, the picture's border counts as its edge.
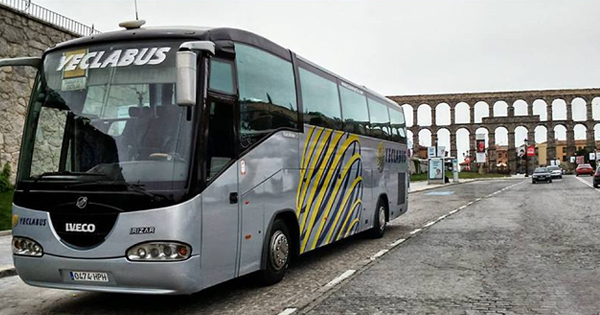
(584, 169)
(555, 171)
(541, 174)
(597, 178)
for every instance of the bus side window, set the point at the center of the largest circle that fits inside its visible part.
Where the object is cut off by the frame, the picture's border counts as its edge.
(398, 125)
(355, 111)
(267, 94)
(320, 100)
(221, 76)
(380, 119)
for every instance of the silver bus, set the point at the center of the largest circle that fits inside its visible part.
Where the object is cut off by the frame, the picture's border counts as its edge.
(168, 160)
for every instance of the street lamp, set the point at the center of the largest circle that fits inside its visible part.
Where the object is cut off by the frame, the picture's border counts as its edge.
(526, 158)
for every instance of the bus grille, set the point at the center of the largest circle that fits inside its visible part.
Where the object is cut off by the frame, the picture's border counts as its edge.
(102, 221)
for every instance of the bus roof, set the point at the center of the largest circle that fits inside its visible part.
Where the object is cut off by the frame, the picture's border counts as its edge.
(204, 33)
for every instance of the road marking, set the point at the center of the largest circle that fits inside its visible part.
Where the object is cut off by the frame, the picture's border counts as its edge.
(288, 311)
(379, 254)
(430, 223)
(440, 193)
(340, 278)
(398, 242)
(350, 272)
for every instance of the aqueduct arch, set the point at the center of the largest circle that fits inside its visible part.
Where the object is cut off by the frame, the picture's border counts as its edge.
(501, 113)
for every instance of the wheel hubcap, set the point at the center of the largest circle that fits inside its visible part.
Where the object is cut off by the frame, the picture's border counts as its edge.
(279, 250)
(381, 218)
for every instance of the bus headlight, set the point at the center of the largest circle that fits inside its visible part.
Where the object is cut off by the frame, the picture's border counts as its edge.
(26, 247)
(159, 251)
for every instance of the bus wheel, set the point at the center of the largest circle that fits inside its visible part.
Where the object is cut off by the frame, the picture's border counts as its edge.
(278, 254)
(379, 228)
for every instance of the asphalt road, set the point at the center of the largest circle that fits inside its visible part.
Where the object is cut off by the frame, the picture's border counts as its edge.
(533, 249)
(306, 282)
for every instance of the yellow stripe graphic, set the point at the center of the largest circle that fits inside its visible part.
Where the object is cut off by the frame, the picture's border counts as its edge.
(315, 159)
(348, 216)
(349, 140)
(349, 193)
(303, 171)
(312, 197)
(336, 190)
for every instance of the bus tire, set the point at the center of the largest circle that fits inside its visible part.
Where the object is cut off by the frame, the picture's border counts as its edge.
(278, 254)
(378, 229)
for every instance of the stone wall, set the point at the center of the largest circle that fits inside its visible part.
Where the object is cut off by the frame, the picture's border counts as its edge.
(20, 36)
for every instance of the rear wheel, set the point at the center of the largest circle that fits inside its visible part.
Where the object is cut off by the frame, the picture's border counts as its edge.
(278, 254)
(380, 221)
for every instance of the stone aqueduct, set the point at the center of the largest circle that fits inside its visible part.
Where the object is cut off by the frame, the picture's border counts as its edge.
(563, 100)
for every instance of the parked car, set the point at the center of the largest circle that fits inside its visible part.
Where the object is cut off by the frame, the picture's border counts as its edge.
(541, 174)
(584, 169)
(597, 178)
(555, 171)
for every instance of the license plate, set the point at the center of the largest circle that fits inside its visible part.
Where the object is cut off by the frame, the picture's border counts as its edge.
(88, 276)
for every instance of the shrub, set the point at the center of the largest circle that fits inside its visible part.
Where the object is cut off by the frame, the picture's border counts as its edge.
(5, 184)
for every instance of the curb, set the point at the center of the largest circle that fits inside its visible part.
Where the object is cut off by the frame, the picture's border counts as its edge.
(8, 272)
(4, 233)
(464, 181)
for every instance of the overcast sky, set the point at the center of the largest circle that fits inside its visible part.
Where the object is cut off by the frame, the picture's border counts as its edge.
(401, 47)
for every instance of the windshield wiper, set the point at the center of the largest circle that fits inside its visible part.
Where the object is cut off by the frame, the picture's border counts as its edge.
(46, 174)
(36, 178)
(137, 188)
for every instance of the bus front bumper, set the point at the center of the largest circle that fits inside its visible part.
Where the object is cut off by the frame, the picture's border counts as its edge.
(124, 276)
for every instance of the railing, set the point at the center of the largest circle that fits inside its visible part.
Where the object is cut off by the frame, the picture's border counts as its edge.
(41, 13)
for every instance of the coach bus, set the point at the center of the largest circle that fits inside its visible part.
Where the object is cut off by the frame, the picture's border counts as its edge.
(168, 160)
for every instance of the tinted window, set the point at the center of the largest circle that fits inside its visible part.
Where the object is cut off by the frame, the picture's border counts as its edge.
(380, 119)
(354, 108)
(221, 76)
(398, 125)
(321, 100)
(267, 93)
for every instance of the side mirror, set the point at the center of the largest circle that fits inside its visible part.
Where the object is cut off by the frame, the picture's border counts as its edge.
(35, 62)
(187, 72)
(186, 78)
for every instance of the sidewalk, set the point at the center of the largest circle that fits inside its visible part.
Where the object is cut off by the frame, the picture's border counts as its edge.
(6, 261)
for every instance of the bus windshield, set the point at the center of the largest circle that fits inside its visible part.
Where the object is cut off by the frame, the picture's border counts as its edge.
(106, 114)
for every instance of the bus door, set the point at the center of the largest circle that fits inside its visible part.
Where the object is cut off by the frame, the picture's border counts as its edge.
(220, 206)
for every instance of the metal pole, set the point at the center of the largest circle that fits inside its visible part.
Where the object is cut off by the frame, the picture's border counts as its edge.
(526, 159)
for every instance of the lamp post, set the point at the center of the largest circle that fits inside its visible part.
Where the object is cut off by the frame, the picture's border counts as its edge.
(526, 158)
